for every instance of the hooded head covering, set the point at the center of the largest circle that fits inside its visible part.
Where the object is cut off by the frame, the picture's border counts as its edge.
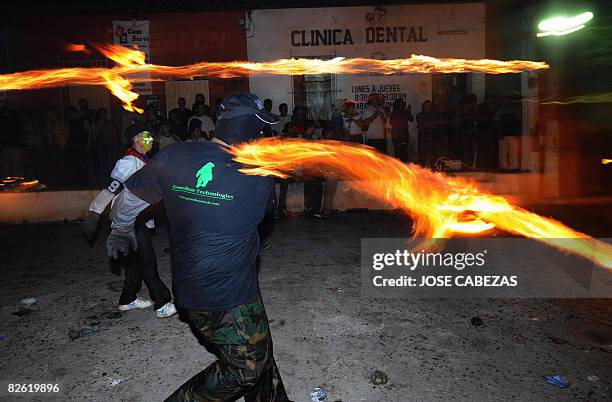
(242, 118)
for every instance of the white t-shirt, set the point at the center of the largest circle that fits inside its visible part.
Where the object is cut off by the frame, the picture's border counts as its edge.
(124, 168)
(165, 141)
(376, 130)
(351, 126)
(278, 127)
(207, 123)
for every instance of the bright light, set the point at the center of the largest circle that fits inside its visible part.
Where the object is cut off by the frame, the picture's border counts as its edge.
(563, 25)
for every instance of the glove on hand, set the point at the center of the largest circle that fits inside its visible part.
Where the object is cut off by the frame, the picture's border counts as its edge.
(120, 241)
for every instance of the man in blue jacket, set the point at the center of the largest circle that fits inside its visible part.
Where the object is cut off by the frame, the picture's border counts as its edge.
(213, 213)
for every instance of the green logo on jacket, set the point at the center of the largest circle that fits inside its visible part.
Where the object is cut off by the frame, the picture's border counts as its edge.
(205, 174)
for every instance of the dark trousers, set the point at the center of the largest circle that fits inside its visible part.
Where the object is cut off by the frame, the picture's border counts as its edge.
(379, 144)
(313, 192)
(356, 138)
(240, 338)
(400, 146)
(143, 266)
(425, 150)
(282, 196)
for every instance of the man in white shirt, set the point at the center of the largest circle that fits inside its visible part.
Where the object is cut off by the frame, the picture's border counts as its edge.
(208, 127)
(352, 122)
(283, 119)
(373, 117)
(144, 261)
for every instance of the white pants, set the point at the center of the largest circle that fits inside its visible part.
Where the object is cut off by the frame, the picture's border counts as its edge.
(509, 153)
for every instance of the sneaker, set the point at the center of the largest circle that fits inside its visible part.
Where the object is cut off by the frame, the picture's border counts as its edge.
(312, 214)
(138, 303)
(165, 311)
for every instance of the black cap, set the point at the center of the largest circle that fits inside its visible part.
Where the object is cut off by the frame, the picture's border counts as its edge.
(135, 129)
(243, 104)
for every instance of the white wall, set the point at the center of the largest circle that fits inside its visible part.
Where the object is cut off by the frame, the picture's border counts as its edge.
(271, 39)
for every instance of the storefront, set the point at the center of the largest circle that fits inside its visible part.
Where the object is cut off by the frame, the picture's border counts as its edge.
(389, 32)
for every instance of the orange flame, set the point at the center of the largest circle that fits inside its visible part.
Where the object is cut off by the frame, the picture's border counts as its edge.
(77, 47)
(131, 62)
(442, 206)
(606, 161)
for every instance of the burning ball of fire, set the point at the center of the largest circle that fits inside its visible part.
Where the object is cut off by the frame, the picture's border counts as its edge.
(441, 206)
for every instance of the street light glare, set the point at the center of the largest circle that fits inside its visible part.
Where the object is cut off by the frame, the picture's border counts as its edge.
(558, 26)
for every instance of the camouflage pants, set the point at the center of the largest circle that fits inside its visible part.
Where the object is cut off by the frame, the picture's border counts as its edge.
(240, 337)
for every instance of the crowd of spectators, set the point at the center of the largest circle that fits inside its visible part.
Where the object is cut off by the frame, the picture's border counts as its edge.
(80, 147)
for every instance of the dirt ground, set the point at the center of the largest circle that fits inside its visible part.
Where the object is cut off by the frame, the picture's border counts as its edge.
(326, 334)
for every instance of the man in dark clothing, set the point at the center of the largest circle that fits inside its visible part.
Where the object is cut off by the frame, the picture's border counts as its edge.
(401, 116)
(313, 186)
(213, 213)
(267, 130)
(182, 116)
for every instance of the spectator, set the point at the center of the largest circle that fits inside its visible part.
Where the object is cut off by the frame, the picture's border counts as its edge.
(167, 134)
(76, 149)
(401, 117)
(86, 113)
(267, 130)
(11, 144)
(442, 130)
(465, 130)
(181, 115)
(353, 124)
(281, 206)
(208, 127)
(200, 99)
(330, 181)
(426, 125)
(299, 119)
(507, 119)
(284, 118)
(31, 136)
(374, 120)
(336, 127)
(487, 141)
(195, 131)
(102, 149)
(313, 187)
(176, 123)
(57, 134)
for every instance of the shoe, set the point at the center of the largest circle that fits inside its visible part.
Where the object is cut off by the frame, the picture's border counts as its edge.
(285, 214)
(165, 311)
(312, 214)
(138, 303)
(328, 213)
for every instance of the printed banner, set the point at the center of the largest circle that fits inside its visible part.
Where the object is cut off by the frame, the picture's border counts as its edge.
(130, 34)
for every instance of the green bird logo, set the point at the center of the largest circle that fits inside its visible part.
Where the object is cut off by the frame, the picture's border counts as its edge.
(205, 174)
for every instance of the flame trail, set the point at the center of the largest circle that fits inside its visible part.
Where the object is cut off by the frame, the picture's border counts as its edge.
(78, 47)
(131, 63)
(441, 206)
